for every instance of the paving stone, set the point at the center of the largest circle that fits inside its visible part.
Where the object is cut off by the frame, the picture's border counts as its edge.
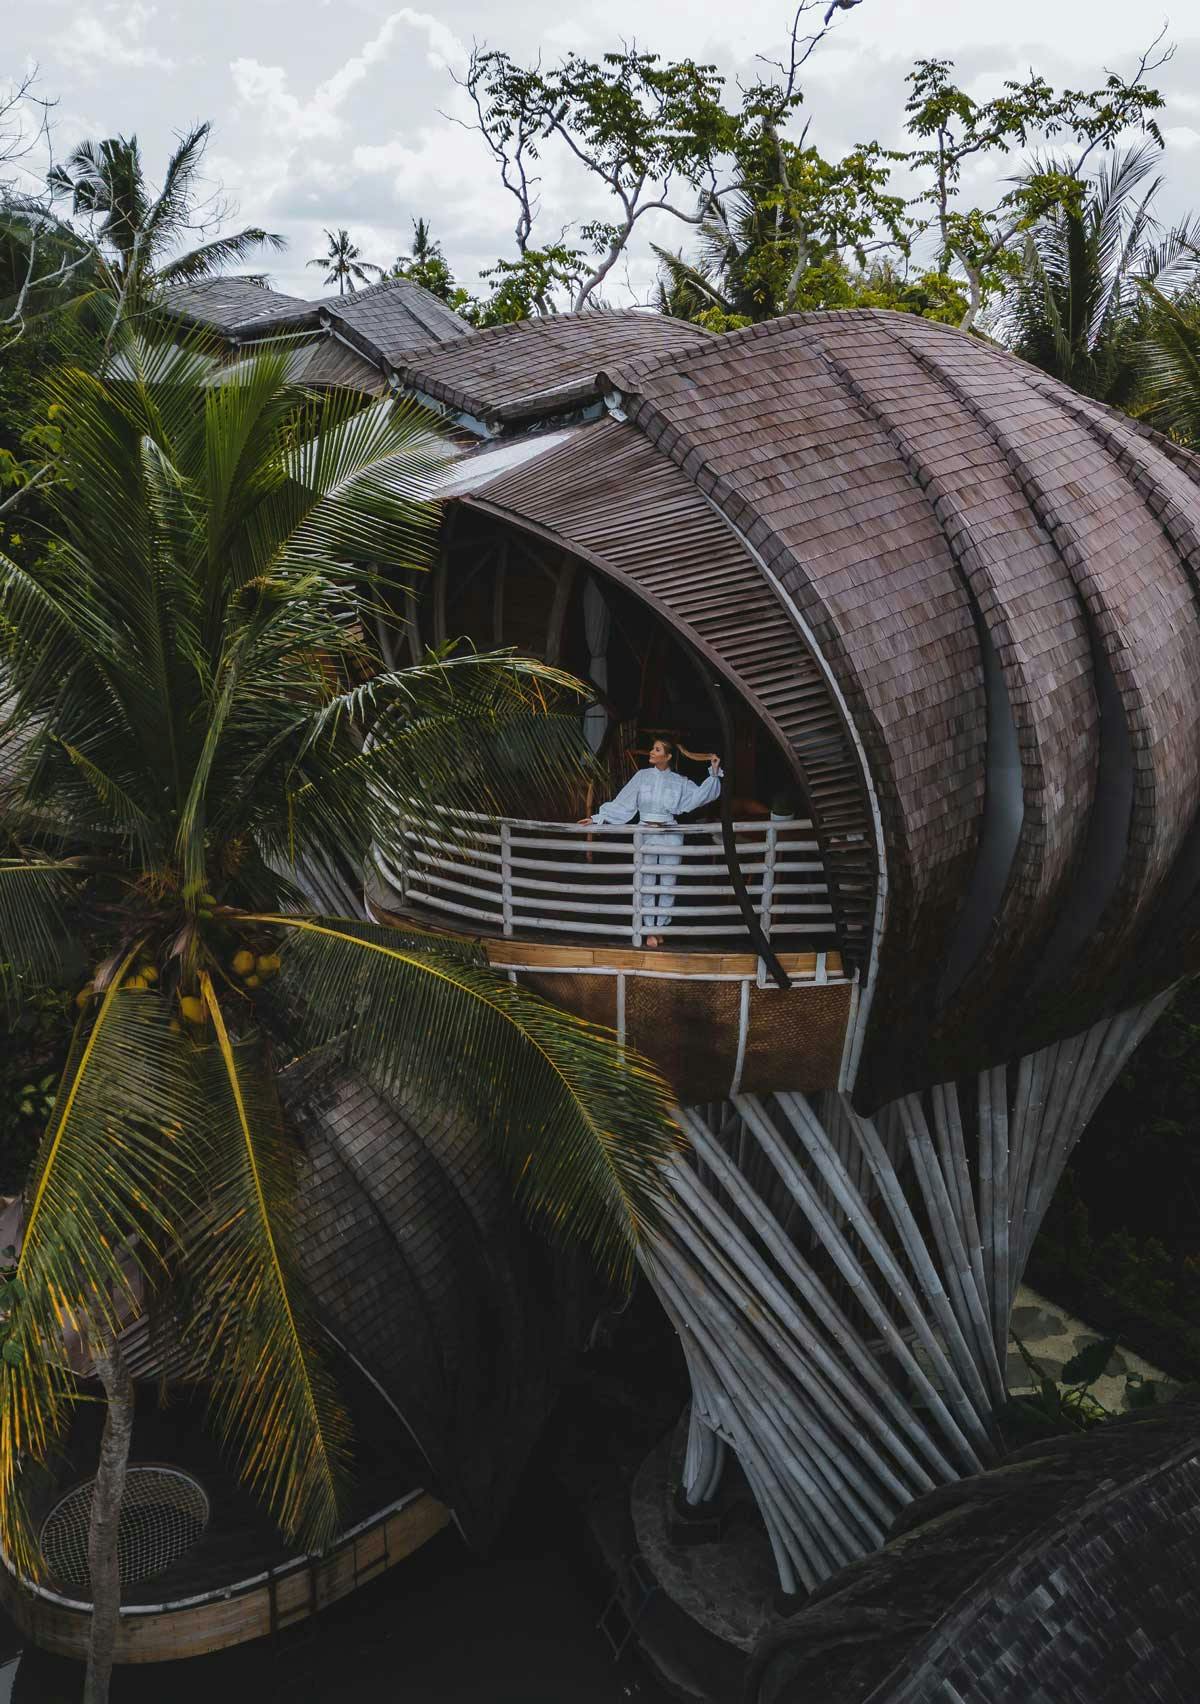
(1019, 1376)
(1029, 1323)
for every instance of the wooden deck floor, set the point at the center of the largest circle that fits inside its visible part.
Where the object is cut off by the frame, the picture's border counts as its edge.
(555, 954)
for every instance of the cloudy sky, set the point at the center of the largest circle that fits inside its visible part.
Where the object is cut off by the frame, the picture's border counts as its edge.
(342, 112)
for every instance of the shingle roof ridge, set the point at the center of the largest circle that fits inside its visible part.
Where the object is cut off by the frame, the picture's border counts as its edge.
(380, 287)
(543, 323)
(186, 299)
(619, 378)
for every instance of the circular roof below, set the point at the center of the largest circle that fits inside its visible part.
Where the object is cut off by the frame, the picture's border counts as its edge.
(163, 1513)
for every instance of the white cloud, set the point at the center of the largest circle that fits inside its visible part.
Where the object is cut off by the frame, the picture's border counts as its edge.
(1182, 136)
(267, 86)
(113, 39)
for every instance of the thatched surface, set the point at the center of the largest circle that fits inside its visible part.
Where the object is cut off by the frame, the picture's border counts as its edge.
(510, 375)
(1066, 1576)
(232, 305)
(389, 319)
(421, 1271)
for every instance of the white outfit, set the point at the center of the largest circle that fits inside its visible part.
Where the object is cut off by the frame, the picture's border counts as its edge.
(659, 796)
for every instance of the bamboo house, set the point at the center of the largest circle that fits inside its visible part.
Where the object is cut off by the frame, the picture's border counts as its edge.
(939, 615)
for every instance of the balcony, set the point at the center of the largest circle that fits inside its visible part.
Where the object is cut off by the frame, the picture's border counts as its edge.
(515, 878)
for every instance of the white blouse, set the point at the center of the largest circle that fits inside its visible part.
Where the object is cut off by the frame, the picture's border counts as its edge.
(659, 795)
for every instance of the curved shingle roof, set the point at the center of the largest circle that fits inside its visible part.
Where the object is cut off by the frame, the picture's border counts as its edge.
(985, 561)
(410, 1242)
(388, 320)
(232, 305)
(1068, 1573)
(510, 374)
(988, 587)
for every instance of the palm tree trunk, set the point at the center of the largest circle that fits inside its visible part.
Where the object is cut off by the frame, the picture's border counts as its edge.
(103, 1559)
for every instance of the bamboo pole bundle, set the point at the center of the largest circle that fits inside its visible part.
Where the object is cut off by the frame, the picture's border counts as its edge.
(925, 1311)
(851, 1342)
(792, 1339)
(837, 1429)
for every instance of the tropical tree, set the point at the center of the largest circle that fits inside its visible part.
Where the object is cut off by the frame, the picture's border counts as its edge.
(957, 135)
(790, 235)
(1170, 377)
(193, 718)
(132, 233)
(426, 264)
(342, 260)
(1076, 308)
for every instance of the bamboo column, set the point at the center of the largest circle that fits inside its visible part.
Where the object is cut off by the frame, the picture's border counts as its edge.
(842, 1285)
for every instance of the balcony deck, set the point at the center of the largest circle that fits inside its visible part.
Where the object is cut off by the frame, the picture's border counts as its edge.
(522, 880)
(564, 909)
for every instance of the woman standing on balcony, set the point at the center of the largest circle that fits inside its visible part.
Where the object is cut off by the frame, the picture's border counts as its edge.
(656, 796)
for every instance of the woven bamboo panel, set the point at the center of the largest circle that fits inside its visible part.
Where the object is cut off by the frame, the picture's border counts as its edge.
(689, 1029)
(795, 1039)
(590, 997)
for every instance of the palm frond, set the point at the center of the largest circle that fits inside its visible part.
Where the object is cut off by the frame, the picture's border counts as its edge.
(1171, 367)
(211, 258)
(168, 213)
(584, 1128)
(34, 898)
(105, 1198)
(272, 1395)
(370, 474)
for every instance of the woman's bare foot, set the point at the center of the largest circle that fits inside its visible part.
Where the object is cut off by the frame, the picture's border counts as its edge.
(654, 940)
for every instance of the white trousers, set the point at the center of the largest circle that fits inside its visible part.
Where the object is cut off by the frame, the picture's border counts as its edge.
(658, 881)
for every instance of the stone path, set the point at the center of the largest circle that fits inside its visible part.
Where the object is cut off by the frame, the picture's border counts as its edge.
(1052, 1336)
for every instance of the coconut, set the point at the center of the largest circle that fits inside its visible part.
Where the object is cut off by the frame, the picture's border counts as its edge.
(242, 962)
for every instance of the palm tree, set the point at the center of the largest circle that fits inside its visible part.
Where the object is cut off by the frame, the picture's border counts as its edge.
(342, 261)
(133, 231)
(427, 266)
(1076, 309)
(1170, 388)
(194, 717)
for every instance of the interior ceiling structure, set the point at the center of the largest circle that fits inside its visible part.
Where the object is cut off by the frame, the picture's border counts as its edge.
(984, 583)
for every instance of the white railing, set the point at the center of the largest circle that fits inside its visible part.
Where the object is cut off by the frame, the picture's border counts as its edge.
(510, 876)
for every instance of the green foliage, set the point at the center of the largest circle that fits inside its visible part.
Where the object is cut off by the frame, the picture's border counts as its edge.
(959, 134)
(129, 232)
(635, 122)
(1170, 364)
(1070, 1404)
(1121, 1242)
(426, 265)
(195, 715)
(526, 286)
(786, 238)
(33, 1044)
(343, 264)
(1077, 308)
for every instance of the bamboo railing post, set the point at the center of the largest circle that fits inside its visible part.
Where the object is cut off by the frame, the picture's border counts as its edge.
(506, 897)
(638, 855)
